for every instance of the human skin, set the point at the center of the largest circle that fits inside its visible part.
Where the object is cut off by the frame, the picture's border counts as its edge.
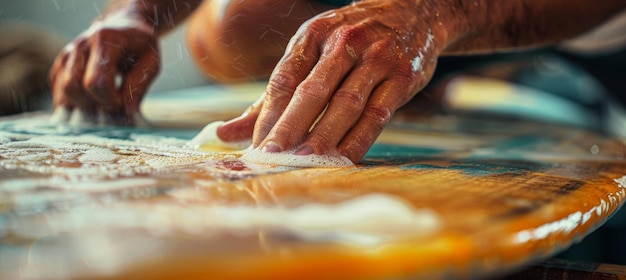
(361, 64)
(358, 64)
(122, 44)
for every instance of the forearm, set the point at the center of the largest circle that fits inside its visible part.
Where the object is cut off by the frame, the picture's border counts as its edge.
(479, 26)
(159, 15)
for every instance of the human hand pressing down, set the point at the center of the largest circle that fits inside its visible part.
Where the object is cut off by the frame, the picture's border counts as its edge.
(106, 71)
(342, 77)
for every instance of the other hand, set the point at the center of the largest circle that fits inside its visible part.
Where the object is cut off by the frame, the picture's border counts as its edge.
(106, 71)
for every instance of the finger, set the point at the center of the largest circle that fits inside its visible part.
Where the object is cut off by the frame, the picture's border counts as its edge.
(307, 103)
(54, 78)
(242, 127)
(376, 114)
(71, 81)
(344, 110)
(56, 68)
(300, 57)
(136, 82)
(60, 99)
(341, 51)
(101, 70)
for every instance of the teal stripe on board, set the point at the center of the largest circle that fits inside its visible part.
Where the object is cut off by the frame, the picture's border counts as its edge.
(397, 154)
(477, 169)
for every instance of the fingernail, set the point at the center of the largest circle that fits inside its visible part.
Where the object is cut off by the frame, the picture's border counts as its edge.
(271, 147)
(303, 151)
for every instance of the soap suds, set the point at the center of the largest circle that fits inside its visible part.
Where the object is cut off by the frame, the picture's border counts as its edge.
(90, 157)
(621, 182)
(207, 139)
(77, 118)
(60, 115)
(98, 155)
(289, 159)
(63, 118)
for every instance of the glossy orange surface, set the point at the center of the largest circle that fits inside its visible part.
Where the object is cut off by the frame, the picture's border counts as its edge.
(444, 197)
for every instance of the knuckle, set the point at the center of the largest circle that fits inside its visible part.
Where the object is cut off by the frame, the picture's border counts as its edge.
(309, 33)
(315, 26)
(281, 85)
(79, 44)
(103, 35)
(379, 52)
(99, 36)
(349, 100)
(308, 37)
(322, 139)
(378, 115)
(351, 35)
(404, 73)
(312, 91)
(96, 84)
(286, 128)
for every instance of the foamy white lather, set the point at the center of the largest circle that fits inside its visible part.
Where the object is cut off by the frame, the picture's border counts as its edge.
(289, 159)
(208, 137)
(76, 117)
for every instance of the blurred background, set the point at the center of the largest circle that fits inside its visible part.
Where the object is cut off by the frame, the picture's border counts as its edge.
(591, 86)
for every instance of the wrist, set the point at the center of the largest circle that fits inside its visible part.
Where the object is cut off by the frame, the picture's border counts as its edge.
(455, 22)
(120, 20)
(448, 21)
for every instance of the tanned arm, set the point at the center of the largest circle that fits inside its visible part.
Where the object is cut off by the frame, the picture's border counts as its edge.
(479, 26)
(161, 15)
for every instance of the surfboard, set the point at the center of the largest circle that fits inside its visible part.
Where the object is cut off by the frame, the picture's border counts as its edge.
(438, 196)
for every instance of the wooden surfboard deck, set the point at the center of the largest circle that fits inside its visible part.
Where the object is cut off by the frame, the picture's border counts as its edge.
(440, 196)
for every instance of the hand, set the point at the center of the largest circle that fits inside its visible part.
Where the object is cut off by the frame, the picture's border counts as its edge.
(107, 69)
(346, 71)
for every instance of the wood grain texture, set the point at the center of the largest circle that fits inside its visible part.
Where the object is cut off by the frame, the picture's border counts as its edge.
(504, 194)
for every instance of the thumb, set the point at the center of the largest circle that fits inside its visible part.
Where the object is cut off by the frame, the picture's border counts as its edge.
(241, 128)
